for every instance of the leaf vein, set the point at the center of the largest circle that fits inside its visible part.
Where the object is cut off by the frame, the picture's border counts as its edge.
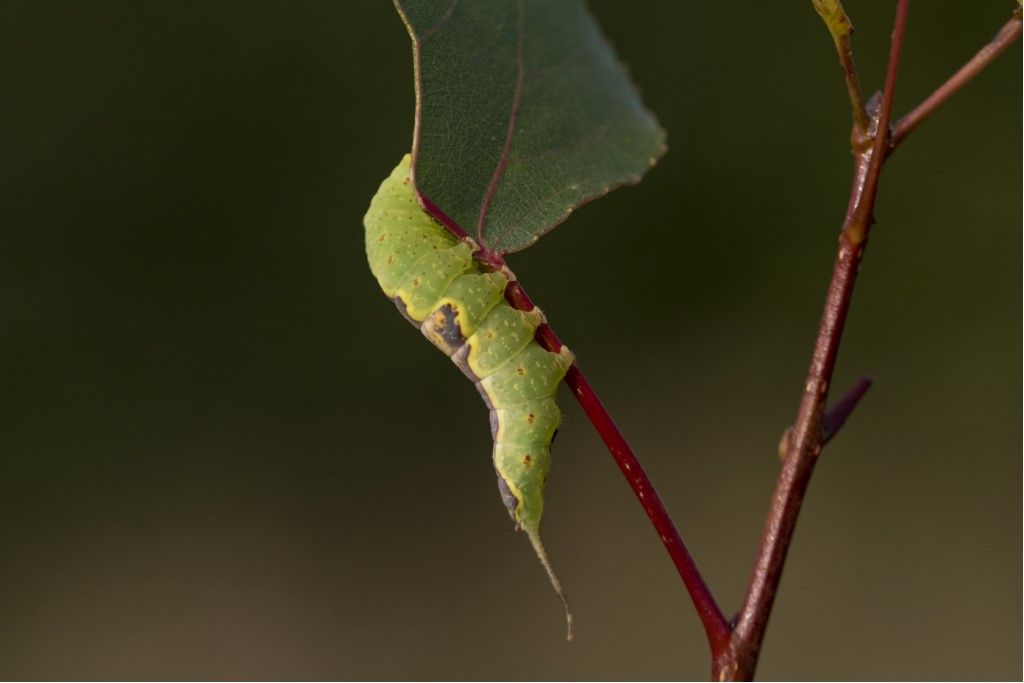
(517, 99)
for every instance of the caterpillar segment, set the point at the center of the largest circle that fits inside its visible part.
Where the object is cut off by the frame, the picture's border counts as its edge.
(438, 286)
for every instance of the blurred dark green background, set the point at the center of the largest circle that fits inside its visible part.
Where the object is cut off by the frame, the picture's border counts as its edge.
(220, 443)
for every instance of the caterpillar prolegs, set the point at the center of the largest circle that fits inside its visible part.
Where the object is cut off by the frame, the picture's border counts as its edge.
(461, 308)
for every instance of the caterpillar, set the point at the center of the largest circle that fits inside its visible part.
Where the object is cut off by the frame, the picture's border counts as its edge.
(460, 307)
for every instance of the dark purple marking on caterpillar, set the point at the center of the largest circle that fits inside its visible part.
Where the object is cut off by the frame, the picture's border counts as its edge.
(506, 495)
(442, 326)
(403, 309)
(461, 360)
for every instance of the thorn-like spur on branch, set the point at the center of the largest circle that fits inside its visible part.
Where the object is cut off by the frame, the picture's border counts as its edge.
(1009, 33)
(715, 625)
(841, 28)
(836, 416)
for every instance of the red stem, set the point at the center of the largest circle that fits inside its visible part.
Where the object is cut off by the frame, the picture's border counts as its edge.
(715, 625)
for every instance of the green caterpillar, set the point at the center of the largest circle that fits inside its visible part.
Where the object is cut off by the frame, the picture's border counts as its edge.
(438, 286)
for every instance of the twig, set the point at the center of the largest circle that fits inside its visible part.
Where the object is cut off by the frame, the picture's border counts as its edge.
(740, 659)
(841, 28)
(1007, 35)
(857, 228)
(715, 625)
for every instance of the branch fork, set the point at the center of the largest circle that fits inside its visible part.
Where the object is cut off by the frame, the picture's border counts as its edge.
(735, 644)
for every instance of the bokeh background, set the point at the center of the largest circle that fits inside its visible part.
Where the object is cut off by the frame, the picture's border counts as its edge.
(219, 455)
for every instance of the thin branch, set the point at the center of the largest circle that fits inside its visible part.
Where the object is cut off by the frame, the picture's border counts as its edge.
(841, 29)
(1009, 33)
(812, 427)
(715, 625)
(805, 442)
(863, 216)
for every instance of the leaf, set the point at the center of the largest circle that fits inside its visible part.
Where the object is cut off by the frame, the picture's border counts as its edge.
(523, 113)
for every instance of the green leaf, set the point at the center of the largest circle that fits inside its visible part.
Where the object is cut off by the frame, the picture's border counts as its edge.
(523, 113)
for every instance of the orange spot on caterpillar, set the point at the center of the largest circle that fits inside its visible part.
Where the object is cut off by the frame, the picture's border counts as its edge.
(527, 460)
(530, 418)
(520, 371)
